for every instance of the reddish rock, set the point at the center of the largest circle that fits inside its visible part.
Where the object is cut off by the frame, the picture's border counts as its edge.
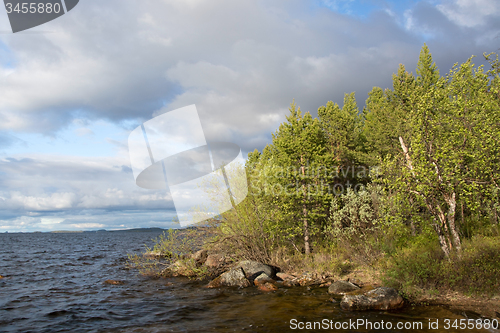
(285, 276)
(267, 287)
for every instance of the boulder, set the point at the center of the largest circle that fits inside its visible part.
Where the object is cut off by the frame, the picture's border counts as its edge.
(200, 256)
(232, 278)
(356, 282)
(284, 276)
(262, 279)
(253, 269)
(308, 279)
(381, 298)
(214, 260)
(341, 287)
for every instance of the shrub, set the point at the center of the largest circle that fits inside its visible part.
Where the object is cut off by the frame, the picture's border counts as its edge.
(423, 266)
(171, 246)
(478, 269)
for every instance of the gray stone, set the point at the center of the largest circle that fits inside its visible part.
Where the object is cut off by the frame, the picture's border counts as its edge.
(381, 298)
(262, 278)
(255, 268)
(341, 287)
(232, 278)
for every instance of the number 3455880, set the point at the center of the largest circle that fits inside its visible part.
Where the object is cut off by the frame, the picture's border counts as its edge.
(33, 7)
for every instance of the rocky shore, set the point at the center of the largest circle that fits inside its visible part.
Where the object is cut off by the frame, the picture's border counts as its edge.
(353, 295)
(357, 291)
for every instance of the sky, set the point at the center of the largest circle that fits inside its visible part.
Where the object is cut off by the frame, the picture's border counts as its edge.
(73, 89)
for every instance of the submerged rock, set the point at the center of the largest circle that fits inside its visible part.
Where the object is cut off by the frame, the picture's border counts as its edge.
(341, 287)
(381, 298)
(114, 282)
(232, 278)
(267, 287)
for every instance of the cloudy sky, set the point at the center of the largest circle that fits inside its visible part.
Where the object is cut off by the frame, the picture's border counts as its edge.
(73, 89)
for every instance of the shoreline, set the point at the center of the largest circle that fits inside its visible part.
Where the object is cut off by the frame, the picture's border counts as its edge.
(474, 307)
(468, 306)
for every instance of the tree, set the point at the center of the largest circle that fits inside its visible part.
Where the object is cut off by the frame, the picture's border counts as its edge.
(427, 71)
(296, 163)
(343, 130)
(386, 116)
(451, 147)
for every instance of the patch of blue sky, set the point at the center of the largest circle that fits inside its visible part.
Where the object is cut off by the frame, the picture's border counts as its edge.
(95, 139)
(400, 6)
(363, 8)
(7, 59)
(359, 9)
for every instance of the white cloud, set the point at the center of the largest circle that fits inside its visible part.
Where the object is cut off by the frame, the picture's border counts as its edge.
(55, 183)
(470, 13)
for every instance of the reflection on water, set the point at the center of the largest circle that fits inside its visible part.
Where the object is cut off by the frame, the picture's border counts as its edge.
(54, 283)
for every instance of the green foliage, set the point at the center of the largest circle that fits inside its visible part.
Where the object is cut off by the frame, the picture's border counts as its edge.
(352, 214)
(343, 131)
(416, 265)
(295, 162)
(438, 139)
(423, 266)
(427, 71)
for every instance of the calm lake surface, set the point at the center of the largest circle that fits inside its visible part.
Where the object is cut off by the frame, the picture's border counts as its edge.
(54, 283)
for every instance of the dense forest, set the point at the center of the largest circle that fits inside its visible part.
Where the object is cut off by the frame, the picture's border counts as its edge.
(408, 185)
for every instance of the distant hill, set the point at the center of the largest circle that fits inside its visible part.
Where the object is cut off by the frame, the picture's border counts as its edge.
(140, 230)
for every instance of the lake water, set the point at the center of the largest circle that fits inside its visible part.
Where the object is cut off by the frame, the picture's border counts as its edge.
(55, 283)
